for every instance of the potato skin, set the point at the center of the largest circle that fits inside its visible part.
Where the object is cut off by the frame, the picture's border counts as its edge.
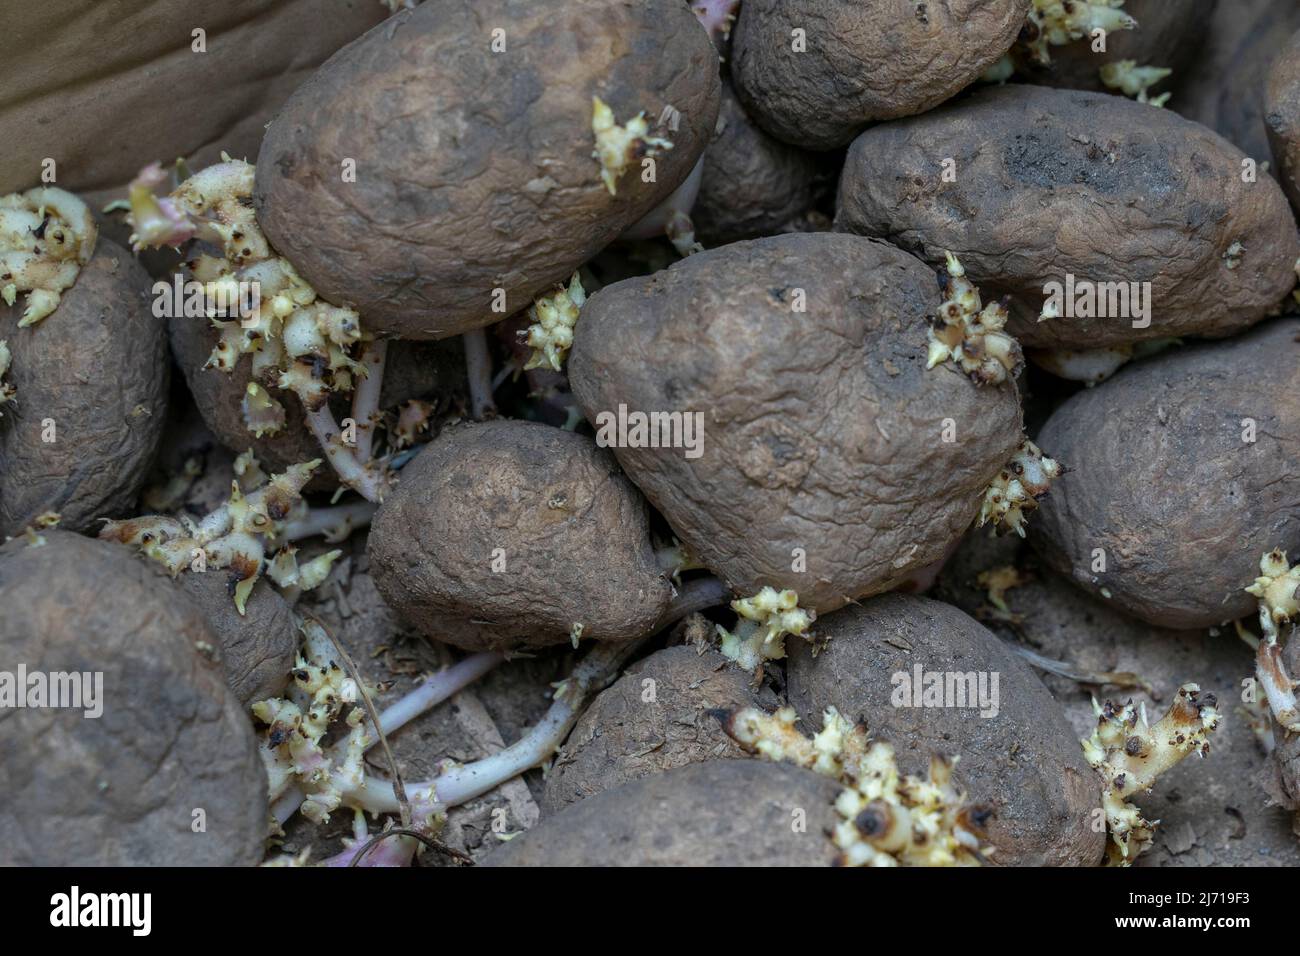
(1163, 482)
(1024, 763)
(752, 185)
(475, 169)
(120, 790)
(259, 648)
(822, 429)
(98, 367)
(1037, 197)
(413, 370)
(1226, 89)
(573, 533)
(866, 60)
(716, 813)
(1282, 115)
(76, 76)
(623, 737)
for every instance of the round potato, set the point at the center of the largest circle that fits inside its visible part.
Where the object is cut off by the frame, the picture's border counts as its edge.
(1181, 469)
(76, 77)
(1017, 755)
(473, 153)
(1282, 105)
(259, 647)
(752, 185)
(514, 534)
(716, 813)
(653, 718)
(123, 778)
(412, 370)
(818, 460)
(815, 72)
(1080, 186)
(91, 382)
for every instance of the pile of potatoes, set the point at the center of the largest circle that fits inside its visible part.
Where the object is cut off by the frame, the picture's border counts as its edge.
(841, 253)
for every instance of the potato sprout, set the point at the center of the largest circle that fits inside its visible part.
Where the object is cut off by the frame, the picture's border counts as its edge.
(1014, 493)
(46, 236)
(1129, 755)
(7, 391)
(1058, 22)
(235, 536)
(1278, 590)
(265, 310)
(765, 620)
(618, 146)
(970, 333)
(887, 819)
(551, 333)
(1133, 80)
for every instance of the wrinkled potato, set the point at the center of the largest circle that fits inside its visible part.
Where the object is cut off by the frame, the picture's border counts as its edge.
(412, 370)
(1282, 105)
(752, 185)
(821, 429)
(258, 648)
(1023, 762)
(94, 89)
(514, 534)
(1083, 184)
(625, 736)
(716, 813)
(1225, 88)
(474, 168)
(124, 788)
(93, 377)
(865, 60)
(1168, 35)
(1181, 477)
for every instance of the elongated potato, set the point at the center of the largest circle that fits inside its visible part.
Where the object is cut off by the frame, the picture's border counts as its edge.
(820, 462)
(515, 534)
(1017, 755)
(1052, 184)
(91, 398)
(473, 153)
(1182, 476)
(814, 72)
(716, 813)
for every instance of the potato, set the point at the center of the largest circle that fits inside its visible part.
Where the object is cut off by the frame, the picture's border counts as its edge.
(864, 60)
(1023, 762)
(1225, 88)
(258, 648)
(93, 377)
(1282, 105)
(509, 534)
(752, 185)
(474, 168)
(1086, 185)
(93, 88)
(623, 736)
(821, 427)
(412, 370)
(1168, 35)
(1180, 478)
(716, 813)
(126, 787)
